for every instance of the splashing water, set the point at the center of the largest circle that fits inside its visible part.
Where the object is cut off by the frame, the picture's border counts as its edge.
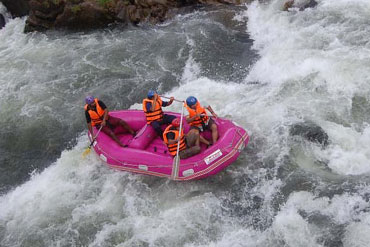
(265, 68)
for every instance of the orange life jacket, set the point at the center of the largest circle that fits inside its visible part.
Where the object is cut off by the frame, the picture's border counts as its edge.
(96, 116)
(172, 148)
(155, 115)
(199, 120)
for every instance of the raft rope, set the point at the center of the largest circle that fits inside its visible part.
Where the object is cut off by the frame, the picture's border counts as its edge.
(173, 170)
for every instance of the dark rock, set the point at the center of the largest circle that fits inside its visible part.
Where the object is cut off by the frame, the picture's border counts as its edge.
(17, 8)
(311, 132)
(34, 23)
(311, 4)
(37, 5)
(85, 14)
(46, 7)
(50, 16)
(301, 6)
(2, 21)
(43, 14)
(158, 14)
(185, 3)
(288, 5)
(122, 15)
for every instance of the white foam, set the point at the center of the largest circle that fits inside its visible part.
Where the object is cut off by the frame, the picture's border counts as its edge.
(312, 64)
(74, 191)
(358, 233)
(306, 58)
(295, 45)
(307, 70)
(349, 155)
(236, 238)
(82, 196)
(296, 230)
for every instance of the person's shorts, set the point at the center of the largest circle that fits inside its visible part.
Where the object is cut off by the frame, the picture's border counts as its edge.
(207, 126)
(188, 152)
(112, 123)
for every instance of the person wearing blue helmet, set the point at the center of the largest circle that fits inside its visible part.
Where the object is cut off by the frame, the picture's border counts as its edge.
(198, 119)
(97, 115)
(152, 106)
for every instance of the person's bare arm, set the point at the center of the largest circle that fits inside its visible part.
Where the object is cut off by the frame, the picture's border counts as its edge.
(105, 117)
(171, 101)
(89, 127)
(173, 141)
(191, 119)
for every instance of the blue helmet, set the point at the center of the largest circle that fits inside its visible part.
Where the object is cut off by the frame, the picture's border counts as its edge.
(89, 99)
(151, 93)
(191, 100)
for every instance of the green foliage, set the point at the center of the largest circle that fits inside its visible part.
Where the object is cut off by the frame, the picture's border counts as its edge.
(75, 1)
(46, 4)
(75, 9)
(104, 2)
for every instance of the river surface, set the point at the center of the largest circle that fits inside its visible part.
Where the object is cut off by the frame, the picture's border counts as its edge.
(265, 68)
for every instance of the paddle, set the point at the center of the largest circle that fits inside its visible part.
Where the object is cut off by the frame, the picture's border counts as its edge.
(88, 149)
(176, 160)
(181, 101)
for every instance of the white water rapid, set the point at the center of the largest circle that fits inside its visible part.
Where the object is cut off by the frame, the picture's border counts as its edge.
(267, 69)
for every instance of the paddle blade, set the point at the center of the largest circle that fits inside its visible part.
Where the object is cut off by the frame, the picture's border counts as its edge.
(86, 152)
(175, 168)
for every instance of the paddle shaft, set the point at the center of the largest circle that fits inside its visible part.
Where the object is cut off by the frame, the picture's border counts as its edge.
(101, 126)
(175, 168)
(180, 101)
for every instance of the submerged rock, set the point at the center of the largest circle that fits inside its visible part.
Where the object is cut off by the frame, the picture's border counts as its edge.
(302, 5)
(82, 14)
(311, 132)
(17, 8)
(2, 21)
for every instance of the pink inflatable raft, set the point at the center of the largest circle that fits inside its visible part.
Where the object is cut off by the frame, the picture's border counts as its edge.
(146, 153)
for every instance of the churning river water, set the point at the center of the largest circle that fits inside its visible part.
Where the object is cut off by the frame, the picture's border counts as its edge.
(267, 69)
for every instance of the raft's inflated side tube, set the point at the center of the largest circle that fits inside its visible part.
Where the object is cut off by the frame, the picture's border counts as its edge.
(143, 137)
